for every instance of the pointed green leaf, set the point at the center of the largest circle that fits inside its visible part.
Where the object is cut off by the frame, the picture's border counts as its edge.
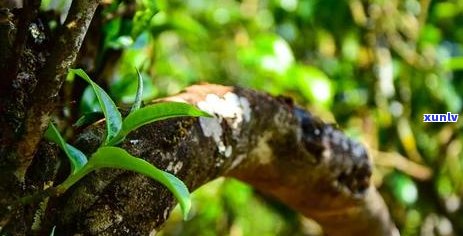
(114, 157)
(155, 112)
(137, 104)
(76, 157)
(112, 114)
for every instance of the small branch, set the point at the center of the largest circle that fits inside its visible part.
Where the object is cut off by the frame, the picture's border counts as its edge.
(395, 160)
(424, 11)
(43, 99)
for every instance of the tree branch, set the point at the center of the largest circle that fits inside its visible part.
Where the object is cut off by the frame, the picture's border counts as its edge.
(43, 99)
(32, 87)
(267, 142)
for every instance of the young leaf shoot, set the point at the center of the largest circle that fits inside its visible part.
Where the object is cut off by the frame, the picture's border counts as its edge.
(111, 113)
(138, 97)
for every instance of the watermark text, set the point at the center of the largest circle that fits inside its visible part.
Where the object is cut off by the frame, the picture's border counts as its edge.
(449, 117)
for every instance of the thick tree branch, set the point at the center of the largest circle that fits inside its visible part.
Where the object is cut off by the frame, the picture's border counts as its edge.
(35, 73)
(43, 99)
(267, 142)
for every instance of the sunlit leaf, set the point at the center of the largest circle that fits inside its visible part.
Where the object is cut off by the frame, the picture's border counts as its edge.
(184, 23)
(111, 31)
(444, 184)
(155, 112)
(75, 156)
(114, 157)
(445, 10)
(453, 63)
(141, 21)
(404, 188)
(112, 114)
(144, 16)
(121, 42)
(314, 85)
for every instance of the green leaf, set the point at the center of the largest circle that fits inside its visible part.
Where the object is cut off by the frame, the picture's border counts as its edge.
(111, 31)
(314, 85)
(453, 63)
(114, 157)
(88, 101)
(125, 89)
(155, 112)
(89, 118)
(76, 157)
(138, 97)
(141, 21)
(112, 115)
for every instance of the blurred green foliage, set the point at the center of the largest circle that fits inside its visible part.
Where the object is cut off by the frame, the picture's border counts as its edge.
(373, 66)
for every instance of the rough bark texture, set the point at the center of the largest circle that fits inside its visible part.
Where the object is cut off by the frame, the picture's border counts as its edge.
(43, 98)
(35, 64)
(267, 142)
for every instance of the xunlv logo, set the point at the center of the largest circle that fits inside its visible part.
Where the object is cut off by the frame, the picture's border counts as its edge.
(449, 117)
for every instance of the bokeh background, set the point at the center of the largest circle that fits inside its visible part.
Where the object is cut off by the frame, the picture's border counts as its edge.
(372, 66)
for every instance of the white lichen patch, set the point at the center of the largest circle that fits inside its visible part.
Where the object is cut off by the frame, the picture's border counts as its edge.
(246, 108)
(358, 150)
(118, 218)
(326, 156)
(211, 128)
(228, 151)
(230, 106)
(174, 168)
(165, 214)
(153, 232)
(177, 167)
(170, 167)
(36, 33)
(234, 109)
(219, 162)
(134, 141)
(262, 152)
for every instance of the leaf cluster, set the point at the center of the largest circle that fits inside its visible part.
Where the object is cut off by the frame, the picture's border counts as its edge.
(117, 128)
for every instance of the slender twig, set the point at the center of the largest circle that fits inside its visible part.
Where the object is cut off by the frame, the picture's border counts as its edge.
(424, 12)
(399, 162)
